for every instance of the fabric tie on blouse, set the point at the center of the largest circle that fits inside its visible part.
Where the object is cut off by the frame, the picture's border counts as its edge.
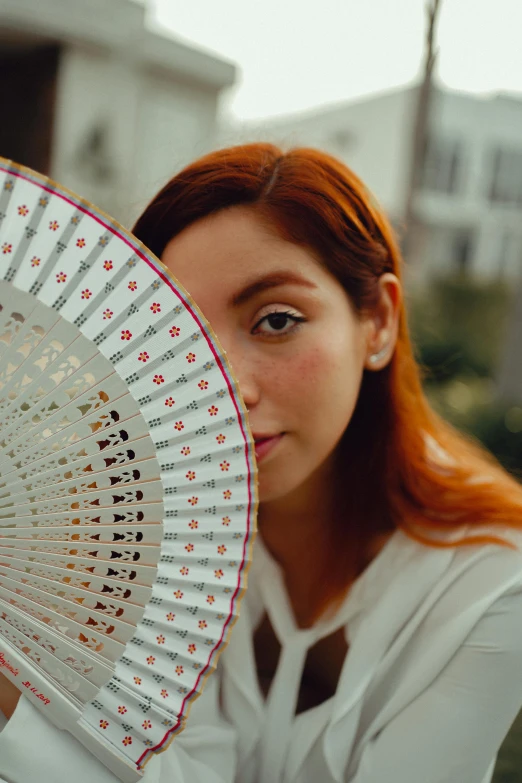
(279, 738)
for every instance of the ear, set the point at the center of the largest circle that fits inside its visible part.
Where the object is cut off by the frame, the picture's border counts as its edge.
(382, 323)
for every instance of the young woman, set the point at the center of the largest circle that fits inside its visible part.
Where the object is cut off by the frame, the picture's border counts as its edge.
(380, 638)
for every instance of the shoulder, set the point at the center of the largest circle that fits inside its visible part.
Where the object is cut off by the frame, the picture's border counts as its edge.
(474, 575)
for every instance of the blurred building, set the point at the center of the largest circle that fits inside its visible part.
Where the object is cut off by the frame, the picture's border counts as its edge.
(469, 202)
(99, 101)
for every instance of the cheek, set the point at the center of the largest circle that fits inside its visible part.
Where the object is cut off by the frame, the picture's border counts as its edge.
(320, 383)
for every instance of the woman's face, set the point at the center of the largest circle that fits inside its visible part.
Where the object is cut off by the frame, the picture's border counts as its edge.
(295, 344)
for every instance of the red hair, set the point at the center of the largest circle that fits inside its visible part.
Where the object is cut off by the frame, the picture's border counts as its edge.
(401, 464)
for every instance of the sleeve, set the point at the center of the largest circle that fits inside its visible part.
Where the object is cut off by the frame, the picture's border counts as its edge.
(452, 731)
(32, 748)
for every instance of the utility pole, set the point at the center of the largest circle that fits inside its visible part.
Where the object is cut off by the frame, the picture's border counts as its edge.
(508, 382)
(413, 239)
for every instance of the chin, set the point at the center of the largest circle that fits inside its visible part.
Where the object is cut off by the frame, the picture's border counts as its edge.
(272, 486)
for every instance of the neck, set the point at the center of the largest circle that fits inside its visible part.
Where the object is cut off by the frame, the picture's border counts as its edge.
(296, 529)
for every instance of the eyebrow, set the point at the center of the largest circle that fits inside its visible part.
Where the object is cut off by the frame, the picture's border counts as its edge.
(269, 281)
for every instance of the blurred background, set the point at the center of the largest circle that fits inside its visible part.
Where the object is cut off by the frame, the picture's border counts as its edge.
(421, 98)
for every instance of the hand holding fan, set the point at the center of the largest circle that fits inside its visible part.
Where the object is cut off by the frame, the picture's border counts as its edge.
(127, 478)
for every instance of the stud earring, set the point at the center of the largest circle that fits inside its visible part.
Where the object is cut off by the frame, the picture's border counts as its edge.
(376, 357)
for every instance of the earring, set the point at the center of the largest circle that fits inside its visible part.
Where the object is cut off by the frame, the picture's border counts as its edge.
(376, 357)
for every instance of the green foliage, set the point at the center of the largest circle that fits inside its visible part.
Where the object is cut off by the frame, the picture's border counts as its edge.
(458, 325)
(509, 762)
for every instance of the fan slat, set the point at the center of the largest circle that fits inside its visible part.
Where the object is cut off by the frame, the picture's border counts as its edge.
(92, 638)
(110, 589)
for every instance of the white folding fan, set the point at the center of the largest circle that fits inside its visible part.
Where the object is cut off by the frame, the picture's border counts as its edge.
(127, 478)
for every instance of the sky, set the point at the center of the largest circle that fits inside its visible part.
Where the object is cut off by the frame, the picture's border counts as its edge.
(294, 55)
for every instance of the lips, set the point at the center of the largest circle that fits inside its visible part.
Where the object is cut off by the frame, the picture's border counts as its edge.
(264, 444)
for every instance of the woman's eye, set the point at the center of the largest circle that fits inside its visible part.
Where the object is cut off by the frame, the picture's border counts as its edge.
(278, 323)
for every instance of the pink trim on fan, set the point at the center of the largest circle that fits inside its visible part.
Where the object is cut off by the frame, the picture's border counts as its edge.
(225, 374)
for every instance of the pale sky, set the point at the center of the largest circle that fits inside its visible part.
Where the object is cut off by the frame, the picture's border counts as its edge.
(297, 54)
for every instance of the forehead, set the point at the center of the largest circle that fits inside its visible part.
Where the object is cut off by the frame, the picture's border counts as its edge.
(227, 249)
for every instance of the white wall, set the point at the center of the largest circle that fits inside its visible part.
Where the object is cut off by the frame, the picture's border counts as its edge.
(96, 90)
(481, 125)
(152, 98)
(370, 136)
(176, 123)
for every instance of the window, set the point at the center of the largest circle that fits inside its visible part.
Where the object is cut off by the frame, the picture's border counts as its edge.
(506, 177)
(462, 250)
(442, 165)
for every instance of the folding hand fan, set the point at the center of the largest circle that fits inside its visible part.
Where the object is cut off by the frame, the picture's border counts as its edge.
(127, 478)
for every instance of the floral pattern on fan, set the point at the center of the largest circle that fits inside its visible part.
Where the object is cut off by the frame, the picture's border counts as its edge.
(127, 478)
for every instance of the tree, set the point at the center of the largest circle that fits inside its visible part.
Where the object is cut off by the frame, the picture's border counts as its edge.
(509, 374)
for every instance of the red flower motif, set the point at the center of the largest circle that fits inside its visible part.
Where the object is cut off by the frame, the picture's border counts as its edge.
(190, 475)
(107, 314)
(143, 357)
(35, 261)
(226, 521)
(164, 693)
(174, 331)
(210, 599)
(189, 547)
(132, 285)
(53, 225)
(213, 410)
(185, 450)
(221, 549)
(193, 500)
(190, 357)
(179, 426)
(80, 242)
(160, 639)
(104, 724)
(170, 617)
(86, 294)
(184, 571)
(61, 277)
(107, 265)
(179, 670)
(203, 624)
(218, 573)
(122, 710)
(22, 210)
(193, 524)
(150, 660)
(192, 649)
(178, 594)
(169, 402)
(227, 494)
(127, 740)
(125, 334)
(147, 724)
(155, 307)
(203, 384)
(159, 379)
(6, 248)
(224, 465)
(220, 438)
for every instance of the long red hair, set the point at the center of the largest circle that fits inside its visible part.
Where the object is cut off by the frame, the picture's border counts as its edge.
(402, 465)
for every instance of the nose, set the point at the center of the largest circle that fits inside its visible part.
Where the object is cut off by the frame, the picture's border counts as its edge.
(243, 366)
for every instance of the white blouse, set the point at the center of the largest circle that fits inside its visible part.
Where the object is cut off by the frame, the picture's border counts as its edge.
(429, 687)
